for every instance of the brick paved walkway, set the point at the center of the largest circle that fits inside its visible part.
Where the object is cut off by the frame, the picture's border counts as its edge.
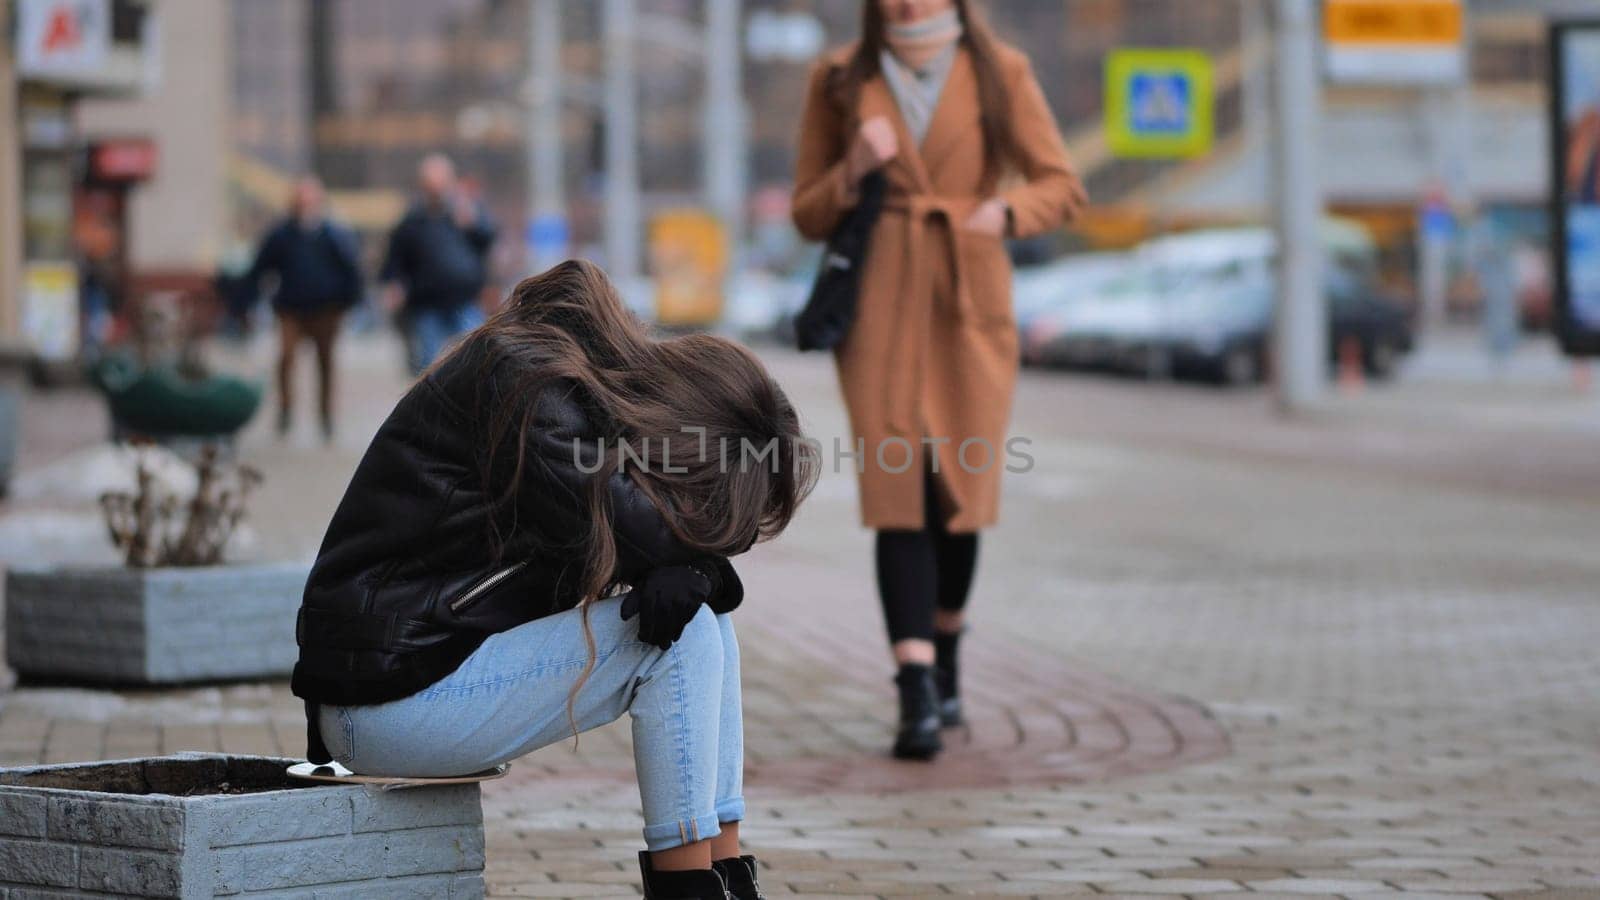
(1213, 654)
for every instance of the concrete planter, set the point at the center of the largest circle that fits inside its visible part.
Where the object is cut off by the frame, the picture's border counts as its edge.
(152, 626)
(160, 828)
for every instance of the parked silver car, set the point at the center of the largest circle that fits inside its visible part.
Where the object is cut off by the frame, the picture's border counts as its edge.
(1045, 296)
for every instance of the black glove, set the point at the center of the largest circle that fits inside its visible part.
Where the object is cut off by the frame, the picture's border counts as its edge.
(728, 592)
(665, 599)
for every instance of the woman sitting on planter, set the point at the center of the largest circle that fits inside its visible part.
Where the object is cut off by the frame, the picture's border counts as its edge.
(468, 606)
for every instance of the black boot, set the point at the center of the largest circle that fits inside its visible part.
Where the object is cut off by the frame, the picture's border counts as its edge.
(919, 713)
(947, 678)
(740, 875)
(697, 884)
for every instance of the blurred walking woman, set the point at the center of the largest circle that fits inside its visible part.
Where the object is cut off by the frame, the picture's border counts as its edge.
(972, 155)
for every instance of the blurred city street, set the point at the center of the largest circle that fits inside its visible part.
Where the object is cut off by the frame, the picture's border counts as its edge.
(1294, 306)
(1213, 650)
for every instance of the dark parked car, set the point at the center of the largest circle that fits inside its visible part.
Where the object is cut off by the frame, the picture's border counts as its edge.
(1224, 333)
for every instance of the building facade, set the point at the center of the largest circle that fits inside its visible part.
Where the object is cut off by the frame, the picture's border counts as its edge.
(359, 90)
(58, 55)
(176, 217)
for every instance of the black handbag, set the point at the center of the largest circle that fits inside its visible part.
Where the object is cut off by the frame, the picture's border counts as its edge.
(831, 308)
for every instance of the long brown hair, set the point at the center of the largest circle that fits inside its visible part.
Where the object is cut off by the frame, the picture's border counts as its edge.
(674, 404)
(999, 142)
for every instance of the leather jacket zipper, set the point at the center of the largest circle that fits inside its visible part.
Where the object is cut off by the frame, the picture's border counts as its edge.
(471, 594)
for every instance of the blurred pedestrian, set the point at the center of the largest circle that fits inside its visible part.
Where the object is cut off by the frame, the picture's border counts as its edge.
(1489, 254)
(932, 97)
(316, 263)
(237, 295)
(437, 264)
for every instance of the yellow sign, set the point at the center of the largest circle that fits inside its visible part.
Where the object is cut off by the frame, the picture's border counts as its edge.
(689, 256)
(1159, 103)
(50, 309)
(1393, 21)
(1399, 42)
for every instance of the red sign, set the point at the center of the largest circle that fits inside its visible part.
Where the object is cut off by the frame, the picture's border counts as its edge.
(126, 159)
(61, 33)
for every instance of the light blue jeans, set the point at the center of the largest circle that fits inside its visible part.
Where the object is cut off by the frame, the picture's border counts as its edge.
(510, 698)
(431, 330)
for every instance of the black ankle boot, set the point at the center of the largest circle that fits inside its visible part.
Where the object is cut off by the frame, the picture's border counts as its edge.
(919, 713)
(740, 875)
(946, 677)
(697, 884)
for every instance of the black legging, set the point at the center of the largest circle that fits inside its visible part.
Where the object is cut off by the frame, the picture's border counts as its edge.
(919, 571)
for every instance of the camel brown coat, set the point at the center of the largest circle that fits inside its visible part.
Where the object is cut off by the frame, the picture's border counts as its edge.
(929, 366)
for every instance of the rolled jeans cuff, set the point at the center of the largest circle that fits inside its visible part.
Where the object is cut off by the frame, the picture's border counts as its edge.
(669, 835)
(730, 810)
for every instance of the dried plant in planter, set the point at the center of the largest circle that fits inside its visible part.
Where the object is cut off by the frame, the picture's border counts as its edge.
(155, 527)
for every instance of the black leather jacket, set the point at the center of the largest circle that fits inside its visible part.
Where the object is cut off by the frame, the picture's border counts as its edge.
(407, 585)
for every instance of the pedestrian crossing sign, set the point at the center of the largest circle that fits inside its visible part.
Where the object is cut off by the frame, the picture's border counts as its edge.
(1160, 104)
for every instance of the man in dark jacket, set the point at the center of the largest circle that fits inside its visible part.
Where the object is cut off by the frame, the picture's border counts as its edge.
(318, 278)
(437, 265)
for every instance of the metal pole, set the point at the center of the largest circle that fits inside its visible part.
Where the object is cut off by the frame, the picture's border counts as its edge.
(1444, 117)
(622, 223)
(1300, 342)
(10, 187)
(1448, 120)
(723, 124)
(1256, 94)
(322, 18)
(545, 135)
(1448, 117)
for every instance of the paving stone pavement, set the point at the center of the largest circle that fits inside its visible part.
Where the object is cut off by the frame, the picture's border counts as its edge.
(1212, 653)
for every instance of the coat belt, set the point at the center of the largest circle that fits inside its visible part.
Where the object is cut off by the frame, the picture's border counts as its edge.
(914, 306)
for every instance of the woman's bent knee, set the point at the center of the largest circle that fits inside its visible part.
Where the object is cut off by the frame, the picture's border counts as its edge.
(701, 638)
(730, 640)
(696, 657)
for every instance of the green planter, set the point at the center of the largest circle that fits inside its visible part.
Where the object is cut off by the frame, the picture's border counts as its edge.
(161, 403)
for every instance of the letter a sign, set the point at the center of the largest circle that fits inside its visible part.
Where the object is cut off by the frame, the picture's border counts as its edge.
(62, 39)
